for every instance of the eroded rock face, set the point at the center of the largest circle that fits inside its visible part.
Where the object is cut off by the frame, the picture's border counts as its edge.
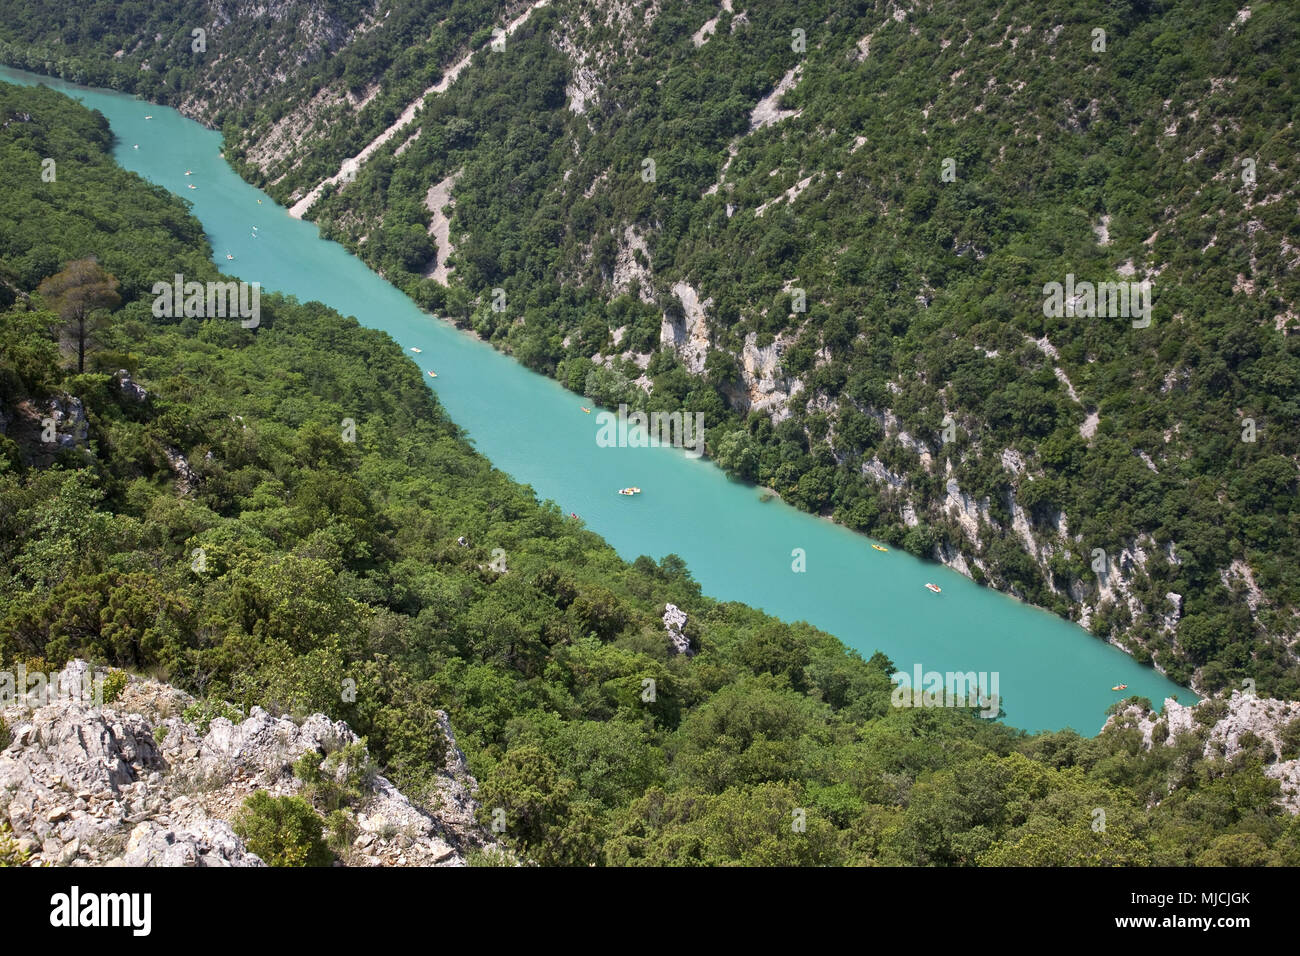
(1263, 717)
(674, 623)
(135, 784)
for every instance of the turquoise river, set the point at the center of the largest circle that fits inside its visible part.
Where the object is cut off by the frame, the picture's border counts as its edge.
(1051, 673)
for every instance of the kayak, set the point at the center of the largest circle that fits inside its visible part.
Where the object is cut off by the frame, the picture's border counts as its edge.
(879, 548)
(934, 587)
(587, 410)
(432, 374)
(1120, 687)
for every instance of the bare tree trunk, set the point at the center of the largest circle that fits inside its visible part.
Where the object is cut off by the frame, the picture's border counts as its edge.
(81, 343)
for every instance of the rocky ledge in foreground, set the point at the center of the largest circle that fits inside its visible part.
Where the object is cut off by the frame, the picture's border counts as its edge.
(1228, 727)
(134, 784)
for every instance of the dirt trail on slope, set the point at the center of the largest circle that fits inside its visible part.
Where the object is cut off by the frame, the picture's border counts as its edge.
(354, 164)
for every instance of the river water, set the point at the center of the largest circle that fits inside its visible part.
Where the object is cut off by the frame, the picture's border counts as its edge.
(1050, 673)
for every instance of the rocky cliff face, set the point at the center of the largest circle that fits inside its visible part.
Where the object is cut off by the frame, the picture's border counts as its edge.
(1227, 727)
(135, 784)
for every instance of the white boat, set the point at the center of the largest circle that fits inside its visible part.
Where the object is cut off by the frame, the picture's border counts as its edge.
(415, 350)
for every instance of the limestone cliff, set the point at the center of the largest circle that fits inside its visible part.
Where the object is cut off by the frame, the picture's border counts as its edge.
(133, 783)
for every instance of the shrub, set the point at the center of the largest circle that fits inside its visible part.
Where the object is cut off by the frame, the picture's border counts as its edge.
(202, 713)
(490, 856)
(283, 831)
(342, 781)
(114, 683)
(10, 853)
(343, 830)
(1289, 738)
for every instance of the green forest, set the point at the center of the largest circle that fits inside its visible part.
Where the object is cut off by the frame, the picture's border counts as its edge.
(282, 558)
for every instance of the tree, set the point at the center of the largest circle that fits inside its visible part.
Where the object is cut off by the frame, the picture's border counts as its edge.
(76, 294)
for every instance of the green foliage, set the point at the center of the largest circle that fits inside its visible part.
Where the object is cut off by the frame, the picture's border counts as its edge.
(283, 831)
(1289, 739)
(343, 830)
(202, 713)
(489, 856)
(10, 853)
(114, 683)
(339, 781)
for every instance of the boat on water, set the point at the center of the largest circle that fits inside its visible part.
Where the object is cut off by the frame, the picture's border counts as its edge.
(432, 374)
(629, 491)
(1120, 687)
(135, 145)
(587, 410)
(229, 256)
(933, 587)
(879, 548)
(148, 117)
(189, 172)
(191, 186)
(415, 350)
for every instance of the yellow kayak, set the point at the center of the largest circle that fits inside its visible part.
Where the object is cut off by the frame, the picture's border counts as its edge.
(879, 548)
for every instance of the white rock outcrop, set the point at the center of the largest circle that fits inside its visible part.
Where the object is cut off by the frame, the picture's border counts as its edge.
(134, 784)
(1263, 717)
(674, 623)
